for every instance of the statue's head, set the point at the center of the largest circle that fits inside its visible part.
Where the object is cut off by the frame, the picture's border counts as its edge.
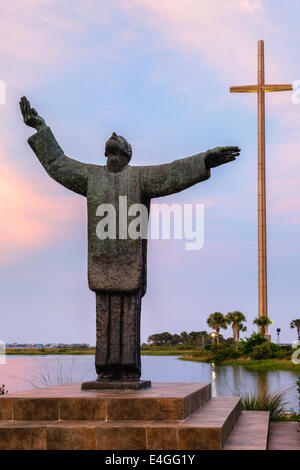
(118, 151)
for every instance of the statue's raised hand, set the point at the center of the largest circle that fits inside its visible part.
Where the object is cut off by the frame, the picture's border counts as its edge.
(220, 155)
(30, 115)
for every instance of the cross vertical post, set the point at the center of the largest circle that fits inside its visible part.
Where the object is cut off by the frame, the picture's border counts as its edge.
(261, 88)
(262, 223)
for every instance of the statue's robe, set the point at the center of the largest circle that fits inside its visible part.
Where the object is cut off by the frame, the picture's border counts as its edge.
(116, 267)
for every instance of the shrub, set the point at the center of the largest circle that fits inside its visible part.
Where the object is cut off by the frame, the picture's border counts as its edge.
(247, 345)
(185, 346)
(285, 347)
(274, 402)
(230, 341)
(284, 354)
(199, 354)
(222, 352)
(264, 351)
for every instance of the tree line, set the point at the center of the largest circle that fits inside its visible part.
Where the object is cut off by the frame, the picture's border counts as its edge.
(217, 321)
(194, 338)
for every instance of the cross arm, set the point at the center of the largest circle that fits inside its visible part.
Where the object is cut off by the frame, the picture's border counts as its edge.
(256, 88)
(244, 89)
(269, 88)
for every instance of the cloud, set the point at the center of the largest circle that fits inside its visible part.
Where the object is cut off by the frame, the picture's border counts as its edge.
(51, 35)
(290, 206)
(41, 37)
(249, 5)
(45, 32)
(283, 190)
(224, 33)
(30, 219)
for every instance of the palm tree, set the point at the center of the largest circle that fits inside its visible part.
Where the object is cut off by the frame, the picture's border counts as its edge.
(296, 324)
(236, 319)
(216, 321)
(263, 322)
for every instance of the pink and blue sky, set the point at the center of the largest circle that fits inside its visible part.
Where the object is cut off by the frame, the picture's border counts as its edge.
(157, 72)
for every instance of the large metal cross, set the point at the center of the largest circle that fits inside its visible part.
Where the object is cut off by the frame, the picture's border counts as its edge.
(261, 88)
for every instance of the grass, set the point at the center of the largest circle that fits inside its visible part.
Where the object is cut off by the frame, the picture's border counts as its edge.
(3, 390)
(158, 351)
(264, 364)
(151, 351)
(202, 358)
(290, 417)
(49, 351)
(251, 364)
(274, 402)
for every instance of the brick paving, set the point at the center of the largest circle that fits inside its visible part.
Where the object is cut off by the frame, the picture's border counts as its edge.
(250, 432)
(284, 436)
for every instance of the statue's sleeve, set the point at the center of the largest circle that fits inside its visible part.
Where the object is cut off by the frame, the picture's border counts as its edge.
(161, 180)
(66, 171)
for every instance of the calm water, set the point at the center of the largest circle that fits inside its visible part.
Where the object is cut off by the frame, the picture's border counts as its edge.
(28, 372)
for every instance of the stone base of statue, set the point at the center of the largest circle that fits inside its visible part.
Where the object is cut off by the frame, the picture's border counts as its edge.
(167, 416)
(116, 385)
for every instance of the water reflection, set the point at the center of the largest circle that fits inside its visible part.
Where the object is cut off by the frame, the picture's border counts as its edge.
(26, 372)
(262, 383)
(213, 380)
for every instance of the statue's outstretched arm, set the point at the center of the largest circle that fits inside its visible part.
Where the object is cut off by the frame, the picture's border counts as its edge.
(161, 180)
(66, 171)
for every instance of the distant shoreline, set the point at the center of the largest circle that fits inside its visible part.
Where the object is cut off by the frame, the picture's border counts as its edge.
(89, 351)
(185, 355)
(48, 351)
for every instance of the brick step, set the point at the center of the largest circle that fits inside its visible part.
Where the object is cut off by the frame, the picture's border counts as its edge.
(208, 428)
(250, 432)
(284, 436)
(163, 401)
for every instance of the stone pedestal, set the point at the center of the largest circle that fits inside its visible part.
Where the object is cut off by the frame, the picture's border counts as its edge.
(167, 416)
(116, 385)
